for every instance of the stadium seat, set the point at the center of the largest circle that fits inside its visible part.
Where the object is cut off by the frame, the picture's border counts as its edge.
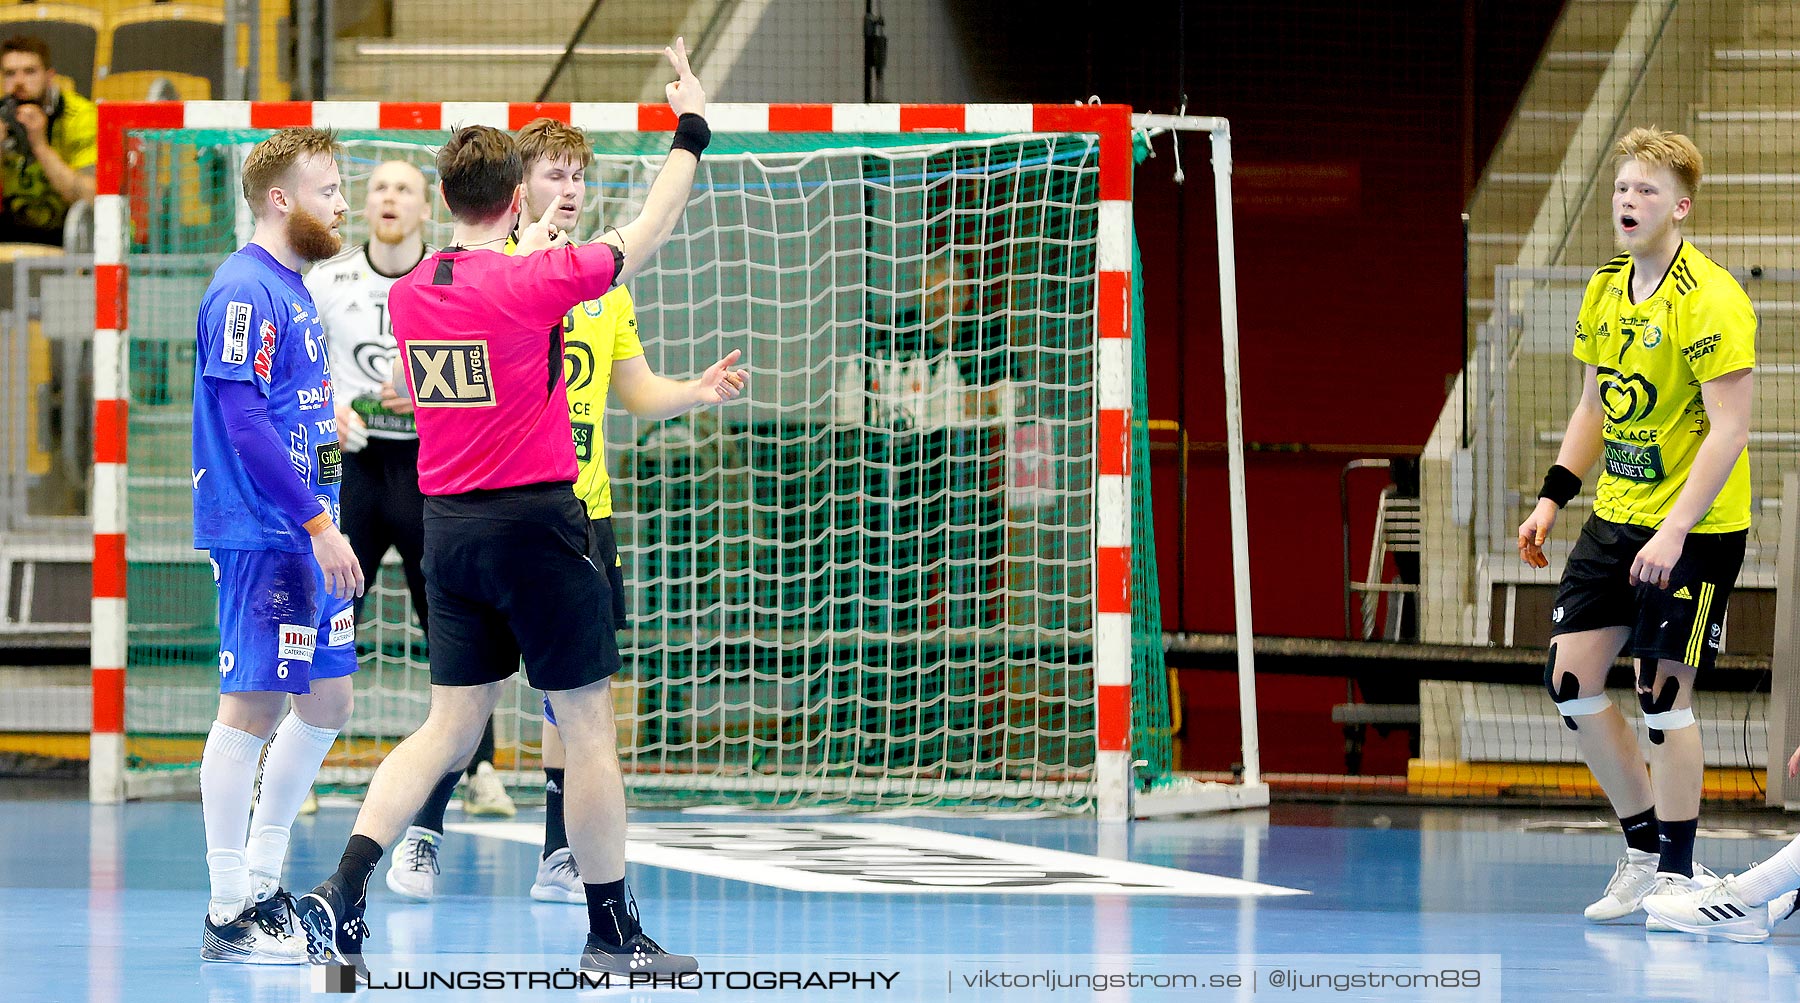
(71, 30)
(182, 42)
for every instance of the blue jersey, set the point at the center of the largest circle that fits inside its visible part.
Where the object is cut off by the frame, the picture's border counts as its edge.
(258, 325)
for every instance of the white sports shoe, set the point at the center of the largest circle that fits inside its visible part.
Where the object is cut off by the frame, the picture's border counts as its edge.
(258, 936)
(1716, 910)
(485, 795)
(1625, 891)
(1675, 884)
(558, 879)
(415, 868)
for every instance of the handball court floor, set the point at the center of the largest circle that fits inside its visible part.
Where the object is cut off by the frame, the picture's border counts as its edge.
(103, 905)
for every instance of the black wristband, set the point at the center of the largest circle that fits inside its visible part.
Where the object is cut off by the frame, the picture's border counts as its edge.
(1560, 485)
(691, 134)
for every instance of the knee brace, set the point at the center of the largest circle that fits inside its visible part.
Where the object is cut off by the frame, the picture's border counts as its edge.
(1659, 716)
(1566, 691)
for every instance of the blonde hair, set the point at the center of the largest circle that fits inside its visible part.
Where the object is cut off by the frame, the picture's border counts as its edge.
(272, 159)
(548, 139)
(1654, 147)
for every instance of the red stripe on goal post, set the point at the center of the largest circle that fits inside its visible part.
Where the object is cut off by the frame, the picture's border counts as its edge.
(522, 113)
(280, 114)
(1111, 122)
(109, 298)
(1113, 443)
(1112, 718)
(110, 425)
(109, 565)
(799, 118)
(411, 115)
(109, 700)
(1112, 580)
(656, 118)
(1114, 304)
(115, 118)
(931, 117)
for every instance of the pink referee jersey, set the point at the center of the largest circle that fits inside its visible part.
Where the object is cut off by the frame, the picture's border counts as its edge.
(481, 335)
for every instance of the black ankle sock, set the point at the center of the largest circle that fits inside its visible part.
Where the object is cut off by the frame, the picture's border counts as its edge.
(431, 816)
(555, 836)
(608, 919)
(1677, 840)
(1640, 831)
(361, 854)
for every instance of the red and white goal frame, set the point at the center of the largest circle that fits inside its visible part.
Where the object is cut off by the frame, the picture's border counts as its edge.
(1112, 124)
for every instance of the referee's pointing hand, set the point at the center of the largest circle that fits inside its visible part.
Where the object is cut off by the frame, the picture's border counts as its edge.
(541, 235)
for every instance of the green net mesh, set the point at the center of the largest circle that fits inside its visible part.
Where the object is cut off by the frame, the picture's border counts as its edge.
(871, 584)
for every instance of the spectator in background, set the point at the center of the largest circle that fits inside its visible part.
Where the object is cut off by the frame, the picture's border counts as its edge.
(49, 150)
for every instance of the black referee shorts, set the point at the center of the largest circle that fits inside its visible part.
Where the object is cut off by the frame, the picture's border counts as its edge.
(1682, 623)
(511, 574)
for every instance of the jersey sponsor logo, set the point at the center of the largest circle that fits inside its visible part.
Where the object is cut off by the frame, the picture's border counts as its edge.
(237, 333)
(197, 475)
(584, 440)
(1626, 397)
(310, 400)
(298, 457)
(578, 365)
(1643, 464)
(375, 360)
(1556, 615)
(343, 277)
(1653, 337)
(328, 504)
(1702, 348)
(343, 628)
(295, 642)
(265, 355)
(326, 427)
(331, 462)
(227, 662)
(451, 373)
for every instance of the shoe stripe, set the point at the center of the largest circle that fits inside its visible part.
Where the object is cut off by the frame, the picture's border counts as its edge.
(1735, 911)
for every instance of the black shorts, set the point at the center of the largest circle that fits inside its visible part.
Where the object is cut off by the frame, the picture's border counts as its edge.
(511, 574)
(1682, 623)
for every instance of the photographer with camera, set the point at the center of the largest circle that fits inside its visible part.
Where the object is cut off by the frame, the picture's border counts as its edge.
(49, 150)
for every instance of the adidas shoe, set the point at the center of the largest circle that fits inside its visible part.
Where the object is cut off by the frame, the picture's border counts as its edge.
(1782, 906)
(414, 870)
(559, 880)
(1625, 891)
(334, 927)
(1715, 910)
(253, 938)
(486, 795)
(1675, 884)
(635, 952)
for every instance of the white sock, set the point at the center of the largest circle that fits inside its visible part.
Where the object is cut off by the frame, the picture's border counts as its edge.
(1772, 878)
(288, 772)
(227, 783)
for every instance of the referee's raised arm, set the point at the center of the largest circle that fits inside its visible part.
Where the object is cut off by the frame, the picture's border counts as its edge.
(642, 237)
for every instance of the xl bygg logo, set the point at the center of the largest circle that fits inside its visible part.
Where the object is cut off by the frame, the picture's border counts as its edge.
(1626, 398)
(450, 373)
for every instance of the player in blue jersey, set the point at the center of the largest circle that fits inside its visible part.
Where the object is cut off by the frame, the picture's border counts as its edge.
(266, 472)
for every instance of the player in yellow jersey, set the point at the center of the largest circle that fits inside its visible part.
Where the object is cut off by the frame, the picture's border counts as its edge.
(1668, 339)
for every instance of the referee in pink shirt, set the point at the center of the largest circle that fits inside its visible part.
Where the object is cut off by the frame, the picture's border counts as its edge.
(506, 540)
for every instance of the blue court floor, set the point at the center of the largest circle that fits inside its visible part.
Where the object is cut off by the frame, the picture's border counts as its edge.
(104, 905)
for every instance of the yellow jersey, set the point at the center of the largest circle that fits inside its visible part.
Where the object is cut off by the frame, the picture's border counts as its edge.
(33, 209)
(1652, 358)
(596, 334)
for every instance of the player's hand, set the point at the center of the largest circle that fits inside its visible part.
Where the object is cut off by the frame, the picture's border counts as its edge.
(686, 97)
(542, 235)
(392, 400)
(1657, 559)
(720, 382)
(35, 123)
(1534, 531)
(343, 574)
(353, 434)
(1794, 764)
